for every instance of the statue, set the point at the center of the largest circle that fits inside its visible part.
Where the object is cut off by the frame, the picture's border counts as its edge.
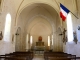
(75, 37)
(1, 36)
(64, 37)
(40, 38)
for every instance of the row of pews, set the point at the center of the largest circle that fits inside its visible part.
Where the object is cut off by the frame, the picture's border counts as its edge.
(59, 56)
(17, 56)
(47, 56)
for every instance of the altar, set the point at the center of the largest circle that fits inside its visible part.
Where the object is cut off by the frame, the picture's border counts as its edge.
(39, 47)
(42, 48)
(39, 43)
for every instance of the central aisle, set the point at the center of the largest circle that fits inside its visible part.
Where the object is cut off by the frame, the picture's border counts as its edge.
(38, 57)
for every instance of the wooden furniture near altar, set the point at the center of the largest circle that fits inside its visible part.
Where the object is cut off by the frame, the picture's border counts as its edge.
(39, 43)
(39, 48)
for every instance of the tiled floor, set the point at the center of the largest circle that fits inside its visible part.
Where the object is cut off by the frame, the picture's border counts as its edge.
(38, 57)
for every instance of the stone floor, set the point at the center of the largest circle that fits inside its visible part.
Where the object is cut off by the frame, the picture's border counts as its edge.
(38, 57)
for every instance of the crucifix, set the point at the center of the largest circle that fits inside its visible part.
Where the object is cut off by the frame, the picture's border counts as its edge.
(64, 38)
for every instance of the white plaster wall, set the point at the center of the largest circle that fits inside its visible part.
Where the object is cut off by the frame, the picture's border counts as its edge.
(7, 7)
(6, 47)
(11, 7)
(74, 48)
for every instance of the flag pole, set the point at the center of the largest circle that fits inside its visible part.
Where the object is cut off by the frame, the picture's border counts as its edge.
(74, 15)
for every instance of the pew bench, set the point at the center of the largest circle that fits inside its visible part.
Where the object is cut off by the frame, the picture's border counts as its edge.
(58, 55)
(17, 56)
(60, 58)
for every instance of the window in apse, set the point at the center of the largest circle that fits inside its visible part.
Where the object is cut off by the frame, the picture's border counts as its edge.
(31, 39)
(48, 40)
(7, 28)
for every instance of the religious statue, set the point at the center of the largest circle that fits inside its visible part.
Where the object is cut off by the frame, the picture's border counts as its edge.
(64, 37)
(1, 36)
(40, 38)
(78, 27)
(75, 37)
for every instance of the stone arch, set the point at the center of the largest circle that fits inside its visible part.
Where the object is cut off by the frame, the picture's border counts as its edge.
(35, 16)
(32, 3)
(22, 19)
(38, 22)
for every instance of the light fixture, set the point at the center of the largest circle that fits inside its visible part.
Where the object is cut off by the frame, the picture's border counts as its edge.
(17, 34)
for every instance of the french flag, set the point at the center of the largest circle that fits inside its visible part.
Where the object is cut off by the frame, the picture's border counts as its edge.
(63, 12)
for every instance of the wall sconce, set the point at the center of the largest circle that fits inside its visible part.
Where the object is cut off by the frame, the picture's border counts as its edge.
(61, 34)
(17, 34)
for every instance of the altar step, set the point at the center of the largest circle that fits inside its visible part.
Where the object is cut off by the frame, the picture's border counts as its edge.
(39, 52)
(38, 57)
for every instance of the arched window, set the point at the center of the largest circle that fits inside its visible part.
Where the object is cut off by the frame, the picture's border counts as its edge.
(69, 28)
(1, 3)
(7, 28)
(48, 40)
(31, 40)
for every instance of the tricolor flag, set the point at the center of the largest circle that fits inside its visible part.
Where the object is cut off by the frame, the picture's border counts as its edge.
(63, 12)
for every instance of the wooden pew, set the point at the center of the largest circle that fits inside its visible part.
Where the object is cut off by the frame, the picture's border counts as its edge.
(13, 58)
(18, 56)
(29, 54)
(49, 53)
(63, 58)
(60, 58)
(58, 55)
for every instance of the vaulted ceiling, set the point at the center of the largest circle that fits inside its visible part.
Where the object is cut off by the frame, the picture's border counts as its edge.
(42, 13)
(38, 17)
